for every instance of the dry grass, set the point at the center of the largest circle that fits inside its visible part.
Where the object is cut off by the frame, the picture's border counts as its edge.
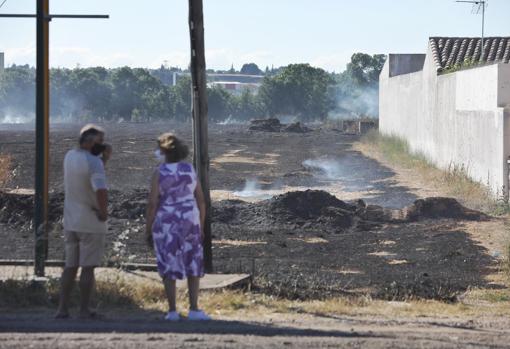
(118, 291)
(453, 182)
(5, 169)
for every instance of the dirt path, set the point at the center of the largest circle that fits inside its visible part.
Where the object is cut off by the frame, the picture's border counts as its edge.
(22, 330)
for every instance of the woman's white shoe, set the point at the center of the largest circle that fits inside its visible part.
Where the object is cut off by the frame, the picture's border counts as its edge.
(198, 315)
(172, 316)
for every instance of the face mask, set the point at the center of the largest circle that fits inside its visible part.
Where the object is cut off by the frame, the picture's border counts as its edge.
(159, 157)
(97, 149)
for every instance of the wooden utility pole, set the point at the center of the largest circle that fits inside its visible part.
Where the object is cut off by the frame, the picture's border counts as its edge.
(42, 127)
(199, 116)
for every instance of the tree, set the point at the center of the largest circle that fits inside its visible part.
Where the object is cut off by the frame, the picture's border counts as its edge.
(357, 87)
(251, 69)
(365, 69)
(300, 90)
(125, 94)
(246, 106)
(88, 92)
(180, 98)
(17, 91)
(219, 103)
(154, 102)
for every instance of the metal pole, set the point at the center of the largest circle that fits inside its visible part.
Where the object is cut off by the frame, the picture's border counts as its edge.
(41, 138)
(477, 2)
(483, 24)
(42, 127)
(199, 114)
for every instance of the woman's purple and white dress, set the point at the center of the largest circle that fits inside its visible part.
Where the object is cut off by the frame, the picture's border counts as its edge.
(176, 229)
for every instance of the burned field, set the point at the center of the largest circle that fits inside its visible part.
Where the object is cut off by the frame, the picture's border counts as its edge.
(304, 213)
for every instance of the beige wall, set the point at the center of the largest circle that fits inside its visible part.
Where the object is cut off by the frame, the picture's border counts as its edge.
(454, 119)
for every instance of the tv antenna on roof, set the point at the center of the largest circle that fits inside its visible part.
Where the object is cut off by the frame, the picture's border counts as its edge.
(478, 6)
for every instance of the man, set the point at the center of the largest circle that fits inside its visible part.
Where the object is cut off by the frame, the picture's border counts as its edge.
(85, 215)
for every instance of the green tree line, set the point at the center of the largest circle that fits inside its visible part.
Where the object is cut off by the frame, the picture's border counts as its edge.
(136, 94)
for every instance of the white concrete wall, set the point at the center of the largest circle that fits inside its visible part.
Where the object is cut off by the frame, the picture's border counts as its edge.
(504, 85)
(456, 119)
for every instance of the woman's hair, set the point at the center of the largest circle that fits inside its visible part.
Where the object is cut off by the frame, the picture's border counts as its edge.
(173, 147)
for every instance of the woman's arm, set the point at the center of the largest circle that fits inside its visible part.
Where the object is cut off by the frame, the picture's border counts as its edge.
(152, 204)
(199, 196)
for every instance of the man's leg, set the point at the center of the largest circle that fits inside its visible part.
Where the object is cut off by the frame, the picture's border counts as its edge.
(87, 283)
(171, 293)
(71, 245)
(66, 284)
(91, 254)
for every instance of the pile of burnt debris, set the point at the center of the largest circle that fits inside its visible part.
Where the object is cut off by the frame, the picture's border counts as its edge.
(274, 125)
(317, 208)
(299, 208)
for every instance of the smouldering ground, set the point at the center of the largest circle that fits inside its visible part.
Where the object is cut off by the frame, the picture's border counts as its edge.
(390, 261)
(432, 259)
(273, 160)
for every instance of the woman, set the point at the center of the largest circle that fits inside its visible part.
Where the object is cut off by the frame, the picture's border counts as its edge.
(175, 217)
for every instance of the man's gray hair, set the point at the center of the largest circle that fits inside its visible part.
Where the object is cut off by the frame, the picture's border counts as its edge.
(89, 132)
(90, 127)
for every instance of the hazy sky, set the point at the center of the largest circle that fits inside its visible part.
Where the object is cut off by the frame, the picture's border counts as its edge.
(268, 32)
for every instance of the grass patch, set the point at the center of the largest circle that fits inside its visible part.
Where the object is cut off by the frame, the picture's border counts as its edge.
(121, 293)
(452, 182)
(466, 64)
(5, 169)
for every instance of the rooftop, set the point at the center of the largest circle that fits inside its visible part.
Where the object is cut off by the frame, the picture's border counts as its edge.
(448, 52)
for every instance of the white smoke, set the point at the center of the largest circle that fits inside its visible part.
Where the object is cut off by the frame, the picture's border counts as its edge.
(12, 118)
(231, 121)
(329, 168)
(19, 119)
(360, 103)
(288, 119)
(253, 190)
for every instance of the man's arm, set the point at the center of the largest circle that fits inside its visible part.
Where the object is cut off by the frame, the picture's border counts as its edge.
(107, 153)
(98, 182)
(102, 202)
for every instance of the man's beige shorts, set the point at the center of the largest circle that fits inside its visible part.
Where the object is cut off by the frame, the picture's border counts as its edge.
(83, 249)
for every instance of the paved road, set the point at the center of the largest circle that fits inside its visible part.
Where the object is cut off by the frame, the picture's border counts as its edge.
(36, 330)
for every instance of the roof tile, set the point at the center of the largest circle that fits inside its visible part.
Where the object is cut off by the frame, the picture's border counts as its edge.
(448, 52)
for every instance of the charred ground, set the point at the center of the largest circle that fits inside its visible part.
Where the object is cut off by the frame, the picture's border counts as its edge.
(357, 231)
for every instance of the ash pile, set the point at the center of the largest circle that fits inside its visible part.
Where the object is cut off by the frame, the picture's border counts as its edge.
(316, 209)
(304, 238)
(17, 209)
(310, 208)
(274, 125)
(314, 240)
